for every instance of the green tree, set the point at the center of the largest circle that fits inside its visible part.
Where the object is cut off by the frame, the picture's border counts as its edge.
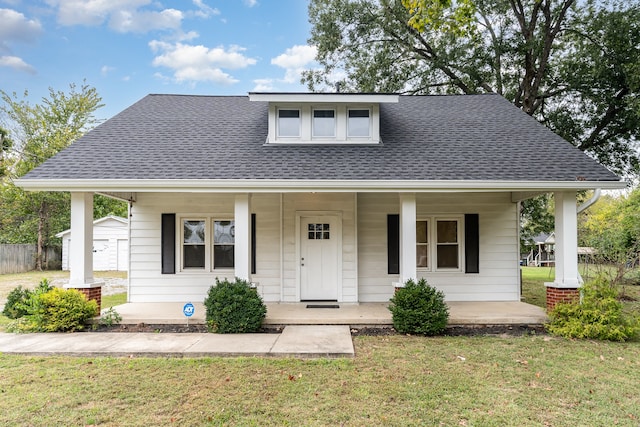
(5, 146)
(39, 132)
(522, 50)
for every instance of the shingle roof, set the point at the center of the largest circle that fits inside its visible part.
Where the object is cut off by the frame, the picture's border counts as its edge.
(458, 137)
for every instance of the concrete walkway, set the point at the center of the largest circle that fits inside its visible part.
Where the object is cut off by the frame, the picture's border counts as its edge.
(294, 341)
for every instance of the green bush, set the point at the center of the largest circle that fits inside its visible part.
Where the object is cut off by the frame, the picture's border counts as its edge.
(58, 310)
(419, 308)
(598, 315)
(15, 307)
(234, 307)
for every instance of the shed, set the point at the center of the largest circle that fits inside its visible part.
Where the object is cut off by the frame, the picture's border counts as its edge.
(110, 244)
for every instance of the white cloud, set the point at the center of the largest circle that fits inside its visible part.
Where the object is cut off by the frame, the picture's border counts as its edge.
(296, 57)
(16, 27)
(192, 63)
(295, 60)
(204, 11)
(17, 64)
(263, 85)
(251, 3)
(122, 15)
(105, 70)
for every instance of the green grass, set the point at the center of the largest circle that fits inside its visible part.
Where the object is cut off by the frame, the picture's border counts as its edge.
(113, 300)
(393, 380)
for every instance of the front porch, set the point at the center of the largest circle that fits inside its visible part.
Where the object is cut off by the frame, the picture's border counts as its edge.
(353, 314)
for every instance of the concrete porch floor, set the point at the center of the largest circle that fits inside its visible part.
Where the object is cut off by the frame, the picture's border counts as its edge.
(353, 314)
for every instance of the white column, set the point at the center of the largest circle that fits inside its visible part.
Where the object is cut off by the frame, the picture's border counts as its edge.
(81, 245)
(566, 231)
(242, 260)
(407, 237)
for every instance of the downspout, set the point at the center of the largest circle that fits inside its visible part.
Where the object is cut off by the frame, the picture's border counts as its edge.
(591, 201)
(129, 206)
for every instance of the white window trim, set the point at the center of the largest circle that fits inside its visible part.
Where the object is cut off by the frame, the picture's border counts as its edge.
(371, 130)
(306, 124)
(208, 243)
(432, 236)
(335, 122)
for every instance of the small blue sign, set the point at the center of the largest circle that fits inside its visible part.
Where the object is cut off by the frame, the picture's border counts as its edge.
(188, 309)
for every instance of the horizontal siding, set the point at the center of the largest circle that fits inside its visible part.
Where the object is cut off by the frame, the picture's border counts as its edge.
(498, 279)
(147, 282)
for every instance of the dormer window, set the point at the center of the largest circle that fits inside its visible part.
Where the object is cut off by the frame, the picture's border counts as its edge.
(324, 118)
(288, 123)
(358, 123)
(324, 123)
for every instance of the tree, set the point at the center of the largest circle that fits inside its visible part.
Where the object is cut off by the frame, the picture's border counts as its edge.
(5, 146)
(39, 132)
(522, 50)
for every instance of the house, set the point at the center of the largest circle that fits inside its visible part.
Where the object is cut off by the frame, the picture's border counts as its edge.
(324, 196)
(542, 254)
(110, 244)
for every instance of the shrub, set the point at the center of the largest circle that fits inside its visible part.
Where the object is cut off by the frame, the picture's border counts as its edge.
(234, 307)
(110, 317)
(598, 315)
(18, 298)
(419, 308)
(58, 310)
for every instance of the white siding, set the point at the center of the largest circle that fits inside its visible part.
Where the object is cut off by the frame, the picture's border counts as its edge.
(498, 279)
(108, 235)
(147, 282)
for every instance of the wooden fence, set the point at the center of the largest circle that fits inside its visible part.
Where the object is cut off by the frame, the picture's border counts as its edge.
(22, 258)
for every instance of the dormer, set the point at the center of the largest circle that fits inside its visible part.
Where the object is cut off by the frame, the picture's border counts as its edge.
(323, 118)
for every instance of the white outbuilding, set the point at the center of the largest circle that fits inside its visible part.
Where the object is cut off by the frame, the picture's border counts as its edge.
(110, 244)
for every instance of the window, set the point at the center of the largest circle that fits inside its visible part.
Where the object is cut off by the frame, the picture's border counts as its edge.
(224, 238)
(289, 123)
(447, 245)
(324, 123)
(358, 123)
(422, 244)
(441, 249)
(206, 250)
(193, 243)
(319, 232)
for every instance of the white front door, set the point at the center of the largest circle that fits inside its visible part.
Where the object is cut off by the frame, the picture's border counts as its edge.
(319, 258)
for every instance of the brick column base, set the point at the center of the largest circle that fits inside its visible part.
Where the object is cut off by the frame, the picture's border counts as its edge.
(557, 295)
(92, 293)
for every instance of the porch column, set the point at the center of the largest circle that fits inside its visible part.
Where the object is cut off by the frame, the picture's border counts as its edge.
(407, 237)
(567, 279)
(81, 247)
(242, 250)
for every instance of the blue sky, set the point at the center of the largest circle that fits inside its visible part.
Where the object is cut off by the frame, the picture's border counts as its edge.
(129, 48)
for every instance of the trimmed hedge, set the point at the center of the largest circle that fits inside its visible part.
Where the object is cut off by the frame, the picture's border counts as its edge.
(419, 308)
(234, 307)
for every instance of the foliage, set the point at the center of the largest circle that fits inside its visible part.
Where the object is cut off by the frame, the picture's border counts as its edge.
(526, 51)
(5, 145)
(598, 315)
(18, 298)
(39, 132)
(612, 228)
(110, 317)
(58, 310)
(441, 15)
(419, 308)
(536, 216)
(14, 307)
(234, 307)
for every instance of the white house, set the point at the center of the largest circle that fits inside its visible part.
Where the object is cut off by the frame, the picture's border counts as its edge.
(110, 244)
(323, 196)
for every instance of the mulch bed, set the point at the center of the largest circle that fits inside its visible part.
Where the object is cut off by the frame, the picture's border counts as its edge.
(475, 330)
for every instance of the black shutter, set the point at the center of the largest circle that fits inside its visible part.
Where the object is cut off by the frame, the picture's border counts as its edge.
(253, 243)
(168, 243)
(472, 243)
(393, 244)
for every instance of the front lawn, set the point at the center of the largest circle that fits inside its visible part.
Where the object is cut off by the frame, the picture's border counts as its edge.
(393, 380)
